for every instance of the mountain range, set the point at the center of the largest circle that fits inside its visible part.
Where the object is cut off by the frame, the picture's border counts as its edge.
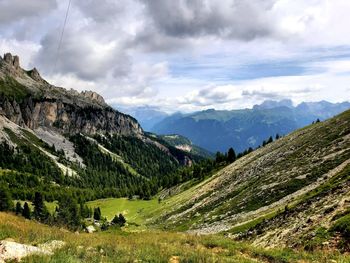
(217, 130)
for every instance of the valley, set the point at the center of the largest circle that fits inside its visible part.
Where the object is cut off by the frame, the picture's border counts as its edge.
(71, 164)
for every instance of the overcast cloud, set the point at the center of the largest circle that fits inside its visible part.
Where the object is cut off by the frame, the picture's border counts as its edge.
(186, 54)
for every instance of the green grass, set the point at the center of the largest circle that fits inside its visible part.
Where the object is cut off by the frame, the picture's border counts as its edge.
(135, 211)
(342, 227)
(252, 224)
(11, 88)
(151, 246)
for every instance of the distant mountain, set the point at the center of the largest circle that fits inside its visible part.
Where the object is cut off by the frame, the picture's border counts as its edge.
(147, 116)
(270, 104)
(218, 130)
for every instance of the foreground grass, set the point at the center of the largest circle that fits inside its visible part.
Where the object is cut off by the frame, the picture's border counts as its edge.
(152, 246)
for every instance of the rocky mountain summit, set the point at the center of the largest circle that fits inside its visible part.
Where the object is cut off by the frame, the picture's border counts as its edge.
(28, 100)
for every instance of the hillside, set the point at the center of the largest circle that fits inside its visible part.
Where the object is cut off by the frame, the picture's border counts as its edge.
(217, 130)
(64, 140)
(280, 194)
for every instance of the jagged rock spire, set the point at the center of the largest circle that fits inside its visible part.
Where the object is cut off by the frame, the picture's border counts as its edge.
(12, 60)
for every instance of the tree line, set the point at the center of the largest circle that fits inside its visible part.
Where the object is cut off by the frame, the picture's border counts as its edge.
(68, 212)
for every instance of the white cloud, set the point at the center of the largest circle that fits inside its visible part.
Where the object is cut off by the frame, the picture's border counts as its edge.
(186, 55)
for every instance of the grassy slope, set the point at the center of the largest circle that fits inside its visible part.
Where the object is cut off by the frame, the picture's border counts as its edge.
(13, 89)
(135, 211)
(262, 179)
(118, 246)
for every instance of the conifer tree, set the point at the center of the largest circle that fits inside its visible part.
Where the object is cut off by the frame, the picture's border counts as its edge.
(18, 208)
(26, 211)
(270, 140)
(122, 220)
(68, 213)
(97, 213)
(6, 203)
(231, 155)
(119, 220)
(40, 211)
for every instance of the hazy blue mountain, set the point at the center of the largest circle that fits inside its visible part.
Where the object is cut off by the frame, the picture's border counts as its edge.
(146, 116)
(270, 104)
(218, 130)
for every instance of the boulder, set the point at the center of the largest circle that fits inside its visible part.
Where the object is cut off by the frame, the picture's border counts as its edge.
(10, 250)
(90, 229)
(93, 96)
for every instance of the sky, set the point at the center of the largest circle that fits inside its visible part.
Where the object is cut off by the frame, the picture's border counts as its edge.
(186, 55)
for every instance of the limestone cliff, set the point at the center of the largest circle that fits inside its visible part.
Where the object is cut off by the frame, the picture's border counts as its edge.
(28, 100)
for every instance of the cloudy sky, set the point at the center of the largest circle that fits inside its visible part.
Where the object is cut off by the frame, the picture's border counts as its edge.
(186, 54)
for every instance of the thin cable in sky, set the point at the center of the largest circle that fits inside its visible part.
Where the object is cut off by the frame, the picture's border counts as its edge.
(62, 33)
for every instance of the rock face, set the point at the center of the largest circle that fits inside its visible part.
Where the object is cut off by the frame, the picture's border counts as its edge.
(93, 96)
(34, 74)
(68, 118)
(31, 101)
(12, 65)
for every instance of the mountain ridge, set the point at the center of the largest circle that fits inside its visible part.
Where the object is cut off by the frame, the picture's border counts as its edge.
(218, 130)
(29, 100)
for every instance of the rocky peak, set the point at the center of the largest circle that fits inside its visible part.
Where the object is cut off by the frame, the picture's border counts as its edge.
(16, 62)
(57, 108)
(93, 96)
(34, 74)
(12, 60)
(11, 65)
(8, 58)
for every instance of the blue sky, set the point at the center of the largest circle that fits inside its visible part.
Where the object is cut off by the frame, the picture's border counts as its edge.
(182, 55)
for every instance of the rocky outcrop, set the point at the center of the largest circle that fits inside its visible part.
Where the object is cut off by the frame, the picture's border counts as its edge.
(10, 250)
(94, 97)
(34, 74)
(31, 101)
(10, 65)
(68, 118)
